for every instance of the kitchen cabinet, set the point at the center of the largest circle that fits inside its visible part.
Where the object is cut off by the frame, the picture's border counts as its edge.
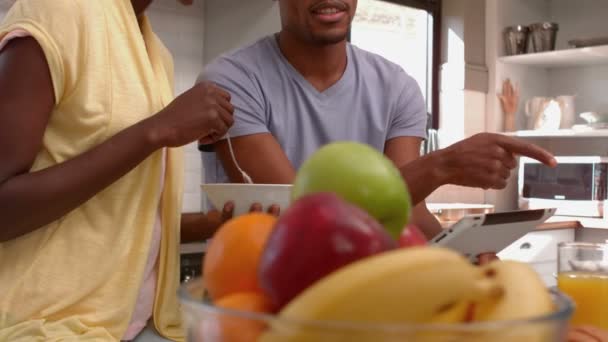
(579, 57)
(232, 24)
(191, 260)
(4, 7)
(539, 249)
(581, 72)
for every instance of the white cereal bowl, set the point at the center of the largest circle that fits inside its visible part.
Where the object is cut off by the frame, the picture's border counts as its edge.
(245, 195)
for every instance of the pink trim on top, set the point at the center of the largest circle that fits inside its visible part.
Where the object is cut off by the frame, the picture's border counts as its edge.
(144, 306)
(18, 33)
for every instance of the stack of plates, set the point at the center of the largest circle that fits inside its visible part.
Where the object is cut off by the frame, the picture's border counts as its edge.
(581, 43)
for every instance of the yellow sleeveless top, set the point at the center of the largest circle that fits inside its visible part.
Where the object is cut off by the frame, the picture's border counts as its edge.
(80, 276)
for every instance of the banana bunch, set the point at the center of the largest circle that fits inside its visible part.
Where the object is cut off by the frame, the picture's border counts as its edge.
(422, 285)
(525, 296)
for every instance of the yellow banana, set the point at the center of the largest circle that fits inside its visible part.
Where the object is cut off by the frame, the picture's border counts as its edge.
(525, 296)
(407, 286)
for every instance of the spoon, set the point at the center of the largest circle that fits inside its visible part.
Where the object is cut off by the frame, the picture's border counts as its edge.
(246, 177)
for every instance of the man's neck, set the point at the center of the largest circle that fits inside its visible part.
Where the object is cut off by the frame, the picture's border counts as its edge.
(139, 6)
(322, 65)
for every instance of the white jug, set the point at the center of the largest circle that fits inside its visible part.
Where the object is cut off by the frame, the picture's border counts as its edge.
(566, 104)
(545, 113)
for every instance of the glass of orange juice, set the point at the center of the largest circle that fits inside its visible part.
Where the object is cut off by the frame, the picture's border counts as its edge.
(583, 275)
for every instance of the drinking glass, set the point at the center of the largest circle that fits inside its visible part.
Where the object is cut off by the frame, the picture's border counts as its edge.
(583, 276)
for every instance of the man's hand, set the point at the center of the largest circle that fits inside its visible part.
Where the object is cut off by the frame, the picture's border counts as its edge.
(273, 210)
(486, 160)
(200, 227)
(587, 334)
(217, 219)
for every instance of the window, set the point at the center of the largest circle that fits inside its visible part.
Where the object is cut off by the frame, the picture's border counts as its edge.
(406, 32)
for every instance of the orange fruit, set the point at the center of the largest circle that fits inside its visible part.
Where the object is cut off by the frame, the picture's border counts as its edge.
(231, 262)
(246, 301)
(231, 327)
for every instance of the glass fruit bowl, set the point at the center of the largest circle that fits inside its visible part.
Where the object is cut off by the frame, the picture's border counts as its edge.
(207, 323)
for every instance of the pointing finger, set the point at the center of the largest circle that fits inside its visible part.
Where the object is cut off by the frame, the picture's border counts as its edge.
(519, 147)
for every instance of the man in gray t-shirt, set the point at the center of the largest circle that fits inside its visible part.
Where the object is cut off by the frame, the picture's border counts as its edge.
(307, 86)
(374, 101)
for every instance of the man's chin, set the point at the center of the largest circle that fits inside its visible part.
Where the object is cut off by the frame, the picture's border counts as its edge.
(329, 38)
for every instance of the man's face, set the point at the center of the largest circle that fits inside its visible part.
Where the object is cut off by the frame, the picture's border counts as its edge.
(321, 22)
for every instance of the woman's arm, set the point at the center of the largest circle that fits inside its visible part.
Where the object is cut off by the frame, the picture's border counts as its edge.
(29, 201)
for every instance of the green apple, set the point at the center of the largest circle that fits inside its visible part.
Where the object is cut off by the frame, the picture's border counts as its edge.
(362, 176)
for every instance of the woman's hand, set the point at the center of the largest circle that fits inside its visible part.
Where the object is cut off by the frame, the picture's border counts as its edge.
(202, 113)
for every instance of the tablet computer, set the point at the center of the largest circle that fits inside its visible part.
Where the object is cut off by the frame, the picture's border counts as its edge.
(490, 233)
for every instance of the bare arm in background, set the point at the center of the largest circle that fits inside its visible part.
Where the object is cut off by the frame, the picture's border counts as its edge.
(483, 161)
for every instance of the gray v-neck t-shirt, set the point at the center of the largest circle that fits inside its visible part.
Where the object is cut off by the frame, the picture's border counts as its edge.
(373, 102)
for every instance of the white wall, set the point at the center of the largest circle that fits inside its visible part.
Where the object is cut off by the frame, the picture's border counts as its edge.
(588, 84)
(231, 24)
(464, 83)
(4, 6)
(579, 19)
(463, 44)
(182, 29)
(196, 35)
(464, 74)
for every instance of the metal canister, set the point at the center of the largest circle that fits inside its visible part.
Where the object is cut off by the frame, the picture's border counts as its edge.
(544, 36)
(516, 39)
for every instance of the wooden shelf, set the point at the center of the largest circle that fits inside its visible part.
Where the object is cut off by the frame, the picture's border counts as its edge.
(586, 222)
(562, 58)
(567, 133)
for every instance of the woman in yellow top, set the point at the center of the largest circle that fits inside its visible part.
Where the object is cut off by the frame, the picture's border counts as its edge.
(91, 172)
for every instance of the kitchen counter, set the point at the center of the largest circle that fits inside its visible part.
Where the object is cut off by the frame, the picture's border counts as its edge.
(193, 248)
(555, 225)
(450, 213)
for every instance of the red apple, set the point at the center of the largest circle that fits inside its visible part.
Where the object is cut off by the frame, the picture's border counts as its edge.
(317, 235)
(412, 236)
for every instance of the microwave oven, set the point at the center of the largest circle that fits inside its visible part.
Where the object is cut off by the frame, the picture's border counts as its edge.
(577, 186)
